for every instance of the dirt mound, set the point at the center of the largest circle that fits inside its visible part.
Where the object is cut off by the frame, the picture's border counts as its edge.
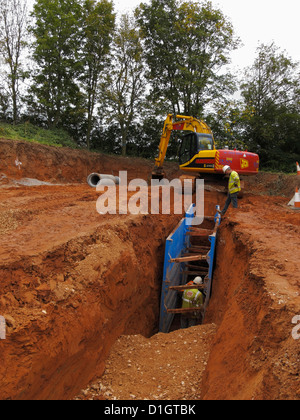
(272, 184)
(61, 165)
(57, 165)
(164, 367)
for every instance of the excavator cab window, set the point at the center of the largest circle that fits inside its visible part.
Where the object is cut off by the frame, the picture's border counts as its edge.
(188, 148)
(205, 142)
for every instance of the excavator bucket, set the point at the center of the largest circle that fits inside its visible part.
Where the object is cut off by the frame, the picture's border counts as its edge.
(158, 173)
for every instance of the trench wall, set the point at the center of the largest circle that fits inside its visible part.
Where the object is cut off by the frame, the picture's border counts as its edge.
(253, 355)
(91, 290)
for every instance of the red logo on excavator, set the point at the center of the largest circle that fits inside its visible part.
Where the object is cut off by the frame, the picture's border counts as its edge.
(178, 126)
(244, 164)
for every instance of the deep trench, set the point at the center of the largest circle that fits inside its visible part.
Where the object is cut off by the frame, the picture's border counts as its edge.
(149, 326)
(232, 371)
(212, 199)
(230, 277)
(125, 302)
(244, 348)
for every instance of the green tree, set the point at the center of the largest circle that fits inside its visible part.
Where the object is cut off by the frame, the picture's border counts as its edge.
(123, 89)
(56, 53)
(186, 46)
(272, 89)
(13, 40)
(227, 121)
(98, 26)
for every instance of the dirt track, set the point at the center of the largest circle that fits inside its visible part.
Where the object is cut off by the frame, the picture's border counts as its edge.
(75, 283)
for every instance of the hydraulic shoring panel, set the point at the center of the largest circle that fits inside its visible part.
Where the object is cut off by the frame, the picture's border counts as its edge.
(177, 259)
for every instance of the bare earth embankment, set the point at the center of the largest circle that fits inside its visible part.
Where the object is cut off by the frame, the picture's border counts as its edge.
(80, 291)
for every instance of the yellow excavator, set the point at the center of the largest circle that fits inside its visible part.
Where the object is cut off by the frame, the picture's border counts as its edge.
(198, 154)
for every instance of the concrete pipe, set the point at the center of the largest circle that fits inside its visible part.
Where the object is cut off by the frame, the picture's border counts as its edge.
(94, 179)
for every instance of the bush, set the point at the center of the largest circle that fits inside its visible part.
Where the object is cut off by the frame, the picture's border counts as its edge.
(278, 161)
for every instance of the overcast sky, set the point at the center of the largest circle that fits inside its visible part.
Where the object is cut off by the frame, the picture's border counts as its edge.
(255, 22)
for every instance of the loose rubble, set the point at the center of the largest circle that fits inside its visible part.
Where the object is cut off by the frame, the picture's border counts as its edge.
(164, 367)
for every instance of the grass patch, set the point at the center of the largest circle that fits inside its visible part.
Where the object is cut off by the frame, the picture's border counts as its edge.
(28, 132)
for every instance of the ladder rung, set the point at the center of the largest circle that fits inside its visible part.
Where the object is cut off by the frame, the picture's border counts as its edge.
(189, 258)
(200, 230)
(185, 310)
(190, 254)
(183, 288)
(198, 234)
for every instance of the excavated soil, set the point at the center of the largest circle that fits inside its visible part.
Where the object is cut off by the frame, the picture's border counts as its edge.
(141, 369)
(255, 298)
(72, 283)
(80, 291)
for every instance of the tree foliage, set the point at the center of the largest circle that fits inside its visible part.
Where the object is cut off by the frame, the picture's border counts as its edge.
(123, 88)
(98, 21)
(272, 89)
(56, 53)
(111, 82)
(13, 40)
(186, 46)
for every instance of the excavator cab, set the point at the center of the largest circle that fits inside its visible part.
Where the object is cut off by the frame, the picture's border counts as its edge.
(192, 144)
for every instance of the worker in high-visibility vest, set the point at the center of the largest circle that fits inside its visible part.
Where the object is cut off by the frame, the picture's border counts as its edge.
(192, 298)
(234, 187)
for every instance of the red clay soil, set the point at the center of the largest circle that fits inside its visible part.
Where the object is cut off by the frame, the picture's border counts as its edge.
(72, 282)
(248, 351)
(255, 298)
(61, 165)
(164, 367)
(75, 285)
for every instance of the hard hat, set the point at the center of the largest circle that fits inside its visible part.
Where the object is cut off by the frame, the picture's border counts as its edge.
(225, 168)
(198, 280)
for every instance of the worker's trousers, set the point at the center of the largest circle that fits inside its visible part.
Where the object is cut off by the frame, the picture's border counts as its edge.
(232, 198)
(188, 322)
